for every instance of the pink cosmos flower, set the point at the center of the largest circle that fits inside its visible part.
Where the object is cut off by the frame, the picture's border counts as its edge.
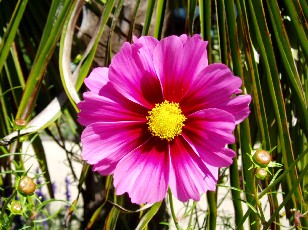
(161, 117)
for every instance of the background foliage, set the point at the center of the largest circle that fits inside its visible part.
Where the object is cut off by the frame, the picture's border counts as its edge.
(47, 48)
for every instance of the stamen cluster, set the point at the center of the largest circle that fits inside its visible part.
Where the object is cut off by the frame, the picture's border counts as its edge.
(165, 120)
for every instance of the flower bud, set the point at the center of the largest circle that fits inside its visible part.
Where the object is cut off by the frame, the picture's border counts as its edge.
(16, 207)
(262, 158)
(20, 124)
(26, 186)
(261, 173)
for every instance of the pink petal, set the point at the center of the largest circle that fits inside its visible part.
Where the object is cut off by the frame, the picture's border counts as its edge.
(189, 176)
(213, 171)
(106, 166)
(184, 38)
(106, 143)
(97, 79)
(146, 51)
(177, 61)
(132, 79)
(109, 106)
(238, 107)
(144, 173)
(195, 55)
(208, 131)
(214, 86)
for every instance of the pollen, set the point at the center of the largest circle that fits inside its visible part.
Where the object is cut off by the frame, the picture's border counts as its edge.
(166, 120)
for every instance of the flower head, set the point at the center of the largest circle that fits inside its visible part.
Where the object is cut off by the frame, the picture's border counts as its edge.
(161, 117)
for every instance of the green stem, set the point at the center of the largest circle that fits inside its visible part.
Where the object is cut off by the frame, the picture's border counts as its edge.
(172, 210)
(249, 178)
(286, 198)
(222, 31)
(273, 81)
(236, 195)
(191, 7)
(48, 43)
(212, 203)
(292, 76)
(6, 204)
(191, 214)
(205, 20)
(245, 137)
(259, 206)
(273, 184)
(299, 24)
(132, 23)
(148, 17)
(17, 148)
(160, 15)
(12, 28)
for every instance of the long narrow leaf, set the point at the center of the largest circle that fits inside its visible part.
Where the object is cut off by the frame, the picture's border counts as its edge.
(52, 32)
(11, 31)
(65, 55)
(148, 216)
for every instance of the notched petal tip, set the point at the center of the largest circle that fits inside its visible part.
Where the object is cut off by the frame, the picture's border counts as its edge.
(97, 79)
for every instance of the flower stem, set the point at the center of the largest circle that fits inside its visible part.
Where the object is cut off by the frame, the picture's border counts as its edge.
(236, 195)
(249, 179)
(6, 204)
(160, 15)
(191, 214)
(212, 203)
(172, 210)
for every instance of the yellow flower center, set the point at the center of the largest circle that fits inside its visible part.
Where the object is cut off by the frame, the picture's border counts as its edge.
(165, 120)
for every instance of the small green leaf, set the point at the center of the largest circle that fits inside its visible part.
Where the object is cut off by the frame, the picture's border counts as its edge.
(148, 216)
(131, 211)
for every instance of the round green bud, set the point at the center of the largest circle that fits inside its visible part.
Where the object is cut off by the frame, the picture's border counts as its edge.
(262, 158)
(20, 124)
(16, 207)
(26, 186)
(261, 173)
